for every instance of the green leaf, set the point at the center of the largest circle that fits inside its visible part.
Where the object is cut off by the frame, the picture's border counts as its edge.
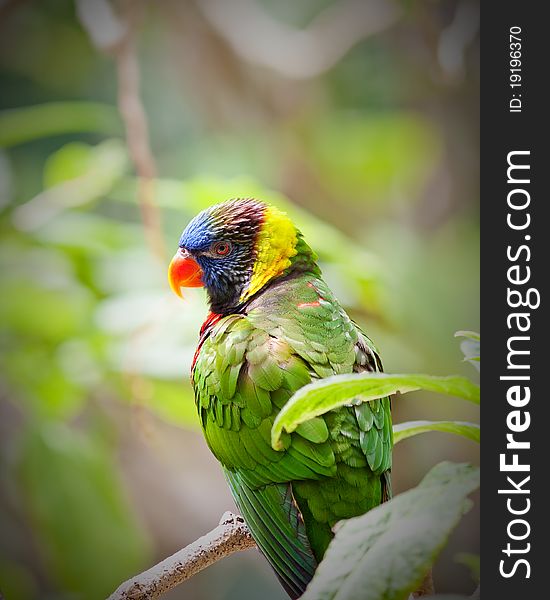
(470, 347)
(385, 553)
(402, 431)
(24, 124)
(327, 394)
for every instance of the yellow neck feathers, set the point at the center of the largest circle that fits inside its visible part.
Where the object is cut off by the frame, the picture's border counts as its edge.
(276, 245)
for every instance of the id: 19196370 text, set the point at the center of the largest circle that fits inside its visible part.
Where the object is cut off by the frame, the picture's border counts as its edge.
(515, 104)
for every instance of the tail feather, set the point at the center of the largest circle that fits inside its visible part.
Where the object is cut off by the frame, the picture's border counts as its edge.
(387, 492)
(277, 526)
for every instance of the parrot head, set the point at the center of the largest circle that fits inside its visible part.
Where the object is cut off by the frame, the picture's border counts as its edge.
(234, 249)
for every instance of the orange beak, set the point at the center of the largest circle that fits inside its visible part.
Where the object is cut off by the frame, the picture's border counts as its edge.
(184, 272)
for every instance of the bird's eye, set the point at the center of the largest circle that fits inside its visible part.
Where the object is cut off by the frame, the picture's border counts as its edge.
(221, 248)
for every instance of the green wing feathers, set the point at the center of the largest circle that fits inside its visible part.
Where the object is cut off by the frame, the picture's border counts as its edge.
(273, 516)
(332, 467)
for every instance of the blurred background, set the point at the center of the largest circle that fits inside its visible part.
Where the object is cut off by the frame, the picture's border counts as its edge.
(118, 123)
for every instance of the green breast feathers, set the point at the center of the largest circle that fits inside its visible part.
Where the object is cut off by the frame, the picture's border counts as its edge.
(332, 467)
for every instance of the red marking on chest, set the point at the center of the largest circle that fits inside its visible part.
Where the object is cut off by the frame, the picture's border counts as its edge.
(304, 304)
(206, 327)
(210, 321)
(311, 304)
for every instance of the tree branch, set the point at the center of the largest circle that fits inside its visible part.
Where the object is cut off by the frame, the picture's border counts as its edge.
(137, 136)
(115, 35)
(230, 536)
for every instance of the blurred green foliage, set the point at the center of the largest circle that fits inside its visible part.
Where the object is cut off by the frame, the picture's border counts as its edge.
(373, 159)
(81, 481)
(26, 124)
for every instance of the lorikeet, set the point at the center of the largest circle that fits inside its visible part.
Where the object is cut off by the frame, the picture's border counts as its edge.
(275, 326)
